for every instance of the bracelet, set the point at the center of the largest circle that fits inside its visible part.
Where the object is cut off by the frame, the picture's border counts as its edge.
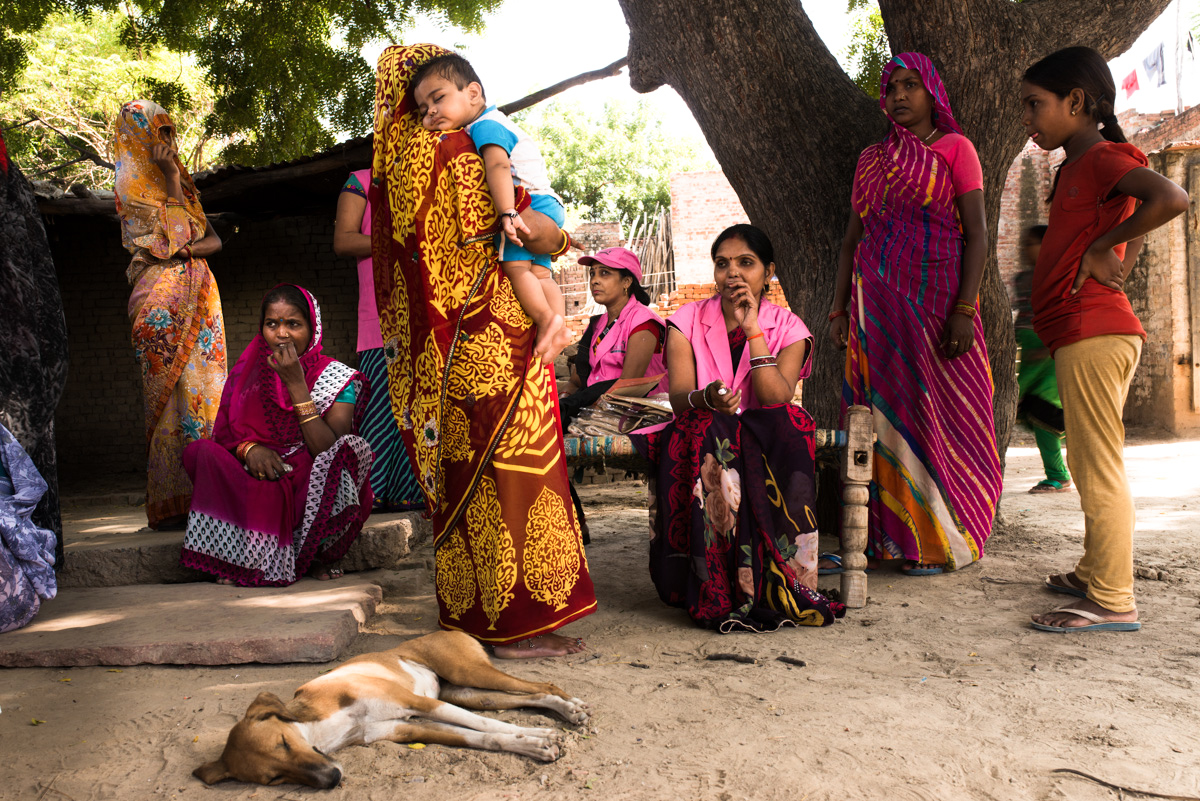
(833, 315)
(764, 364)
(511, 214)
(690, 401)
(305, 409)
(756, 336)
(309, 419)
(766, 358)
(187, 250)
(707, 402)
(244, 449)
(963, 308)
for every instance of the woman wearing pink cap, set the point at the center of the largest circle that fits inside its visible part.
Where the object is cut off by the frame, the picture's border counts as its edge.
(733, 537)
(625, 342)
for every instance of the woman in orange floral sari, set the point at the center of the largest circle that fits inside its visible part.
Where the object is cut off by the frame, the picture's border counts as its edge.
(178, 332)
(478, 412)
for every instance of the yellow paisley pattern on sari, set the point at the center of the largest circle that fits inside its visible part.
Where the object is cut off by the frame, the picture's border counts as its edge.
(478, 413)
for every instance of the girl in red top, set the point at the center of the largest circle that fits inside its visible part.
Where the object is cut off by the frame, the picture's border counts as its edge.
(1103, 196)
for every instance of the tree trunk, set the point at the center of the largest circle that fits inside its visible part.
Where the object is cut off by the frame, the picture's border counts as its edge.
(787, 124)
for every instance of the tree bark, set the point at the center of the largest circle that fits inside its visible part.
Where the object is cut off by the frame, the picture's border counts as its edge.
(787, 124)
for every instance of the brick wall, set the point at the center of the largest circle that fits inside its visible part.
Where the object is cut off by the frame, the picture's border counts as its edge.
(573, 277)
(1021, 206)
(100, 425)
(702, 205)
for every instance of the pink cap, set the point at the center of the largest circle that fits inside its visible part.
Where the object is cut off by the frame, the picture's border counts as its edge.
(618, 258)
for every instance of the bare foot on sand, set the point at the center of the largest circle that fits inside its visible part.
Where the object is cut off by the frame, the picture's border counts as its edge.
(1108, 619)
(541, 646)
(551, 339)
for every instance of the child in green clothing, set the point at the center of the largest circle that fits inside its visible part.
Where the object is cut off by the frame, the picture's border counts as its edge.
(1039, 406)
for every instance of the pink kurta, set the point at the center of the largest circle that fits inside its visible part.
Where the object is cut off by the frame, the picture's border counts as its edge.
(368, 315)
(704, 326)
(608, 357)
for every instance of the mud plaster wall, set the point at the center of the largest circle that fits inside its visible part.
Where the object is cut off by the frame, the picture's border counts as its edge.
(1160, 292)
(100, 424)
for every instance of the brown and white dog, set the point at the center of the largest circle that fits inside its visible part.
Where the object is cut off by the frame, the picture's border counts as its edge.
(413, 693)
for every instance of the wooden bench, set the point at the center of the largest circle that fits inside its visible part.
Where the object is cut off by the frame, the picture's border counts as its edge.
(851, 450)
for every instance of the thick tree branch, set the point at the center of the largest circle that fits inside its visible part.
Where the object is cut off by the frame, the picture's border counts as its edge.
(88, 155)
(610, 71)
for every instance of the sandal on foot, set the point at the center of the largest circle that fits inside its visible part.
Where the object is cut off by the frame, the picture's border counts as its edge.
(1097, 623)
(1047, 485)
(829, 571)
(1065, 586)
(922, 569)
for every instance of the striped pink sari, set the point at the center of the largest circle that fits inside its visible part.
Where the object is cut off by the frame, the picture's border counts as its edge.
(937, 471)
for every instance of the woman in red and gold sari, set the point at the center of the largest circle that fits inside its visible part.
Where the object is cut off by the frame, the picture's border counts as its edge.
(178, 332)
(479, 413)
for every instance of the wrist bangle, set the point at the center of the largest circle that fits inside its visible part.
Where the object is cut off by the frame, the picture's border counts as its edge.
(833, 315)
(756, 336)
(305, 409)
(707, 402)
(244, 449)
(690, 401)
(963, 308)
(309, 419)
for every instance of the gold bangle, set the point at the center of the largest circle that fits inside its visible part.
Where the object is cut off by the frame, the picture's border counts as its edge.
(305, 409)
(309, 419)
(245, 448)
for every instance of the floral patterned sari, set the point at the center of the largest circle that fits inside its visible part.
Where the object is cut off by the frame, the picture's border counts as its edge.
(732, 500)
(178, 332)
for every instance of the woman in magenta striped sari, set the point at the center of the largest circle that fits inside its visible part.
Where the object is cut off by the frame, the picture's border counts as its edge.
(906, 309)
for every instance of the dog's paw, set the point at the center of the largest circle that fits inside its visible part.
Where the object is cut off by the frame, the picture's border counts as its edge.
(576, 711)
(547, 751)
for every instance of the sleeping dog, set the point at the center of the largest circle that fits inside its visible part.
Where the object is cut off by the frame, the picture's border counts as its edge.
(413, 693)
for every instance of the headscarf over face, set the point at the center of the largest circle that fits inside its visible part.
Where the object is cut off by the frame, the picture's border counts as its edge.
(146, 220)
(255, 404)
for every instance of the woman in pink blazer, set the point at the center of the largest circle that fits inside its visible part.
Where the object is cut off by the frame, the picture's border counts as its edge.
(624, 342)
(733, 523)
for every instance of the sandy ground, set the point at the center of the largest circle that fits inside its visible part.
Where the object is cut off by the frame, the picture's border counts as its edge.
(937, 689)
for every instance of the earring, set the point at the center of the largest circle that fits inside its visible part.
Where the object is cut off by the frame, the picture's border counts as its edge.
(1072, 112)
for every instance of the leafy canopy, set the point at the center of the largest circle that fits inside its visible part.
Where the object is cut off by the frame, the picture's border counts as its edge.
(286, 74)
(613, 166)
(77, 75)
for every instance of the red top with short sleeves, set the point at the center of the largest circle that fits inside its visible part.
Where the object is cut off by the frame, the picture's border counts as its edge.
(1081, 212)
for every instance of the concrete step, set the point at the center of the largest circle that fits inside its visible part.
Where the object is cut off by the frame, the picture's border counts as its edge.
(194, 624)
(108, 545)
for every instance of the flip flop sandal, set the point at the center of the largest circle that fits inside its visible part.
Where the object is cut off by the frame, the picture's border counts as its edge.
(830, 571)
(917, 569)
(1097, 623)
(1066, 588)
(1047, 485)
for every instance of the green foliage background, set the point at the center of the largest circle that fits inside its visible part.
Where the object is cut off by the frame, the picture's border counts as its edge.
(611, 165)
(77, 74)
(868, 50)
(285, 74)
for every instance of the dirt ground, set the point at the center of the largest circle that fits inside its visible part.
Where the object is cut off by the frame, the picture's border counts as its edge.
(938, 689)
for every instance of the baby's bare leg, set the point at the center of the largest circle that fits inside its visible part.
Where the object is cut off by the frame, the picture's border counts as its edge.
(550, 289)
(529, 291)
(553, 334)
